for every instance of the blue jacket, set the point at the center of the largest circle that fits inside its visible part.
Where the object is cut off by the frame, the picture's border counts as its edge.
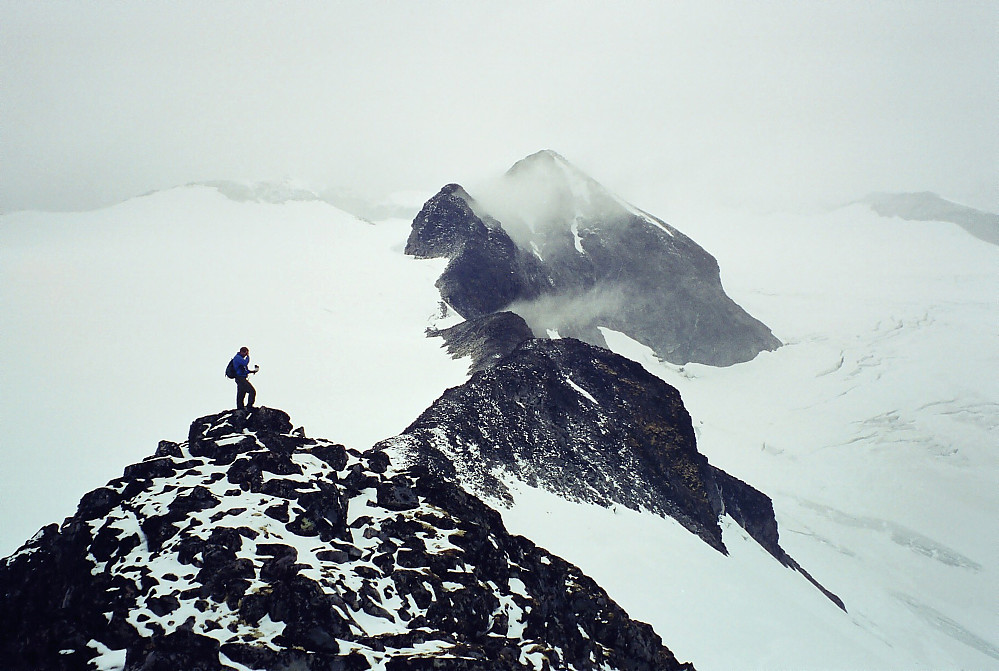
(241, 364)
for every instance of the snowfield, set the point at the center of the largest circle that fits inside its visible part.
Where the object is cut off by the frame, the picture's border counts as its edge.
(118, 324)
(874, 429)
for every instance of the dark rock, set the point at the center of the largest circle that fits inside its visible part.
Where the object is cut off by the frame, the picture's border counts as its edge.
(589, 425)
(260, 420)
(277, 463)
(396, 494)
(279, 512)
(225, 453)
(157, 529)
(152, 468)
(162, 605)
(310, 637)
(262, 657)
(281, 567)
(334, 455)
(324, 514)
(178, 650)
(377, 460)
(357, 480)
(333, 556)
(96, 504)
(199, 498)
(246, 473)
(485, 339)
(167, 448)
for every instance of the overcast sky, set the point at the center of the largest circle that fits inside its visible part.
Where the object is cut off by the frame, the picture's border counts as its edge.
(739, 102)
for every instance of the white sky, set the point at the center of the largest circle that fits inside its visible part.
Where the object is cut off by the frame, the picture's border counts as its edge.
(736, 102)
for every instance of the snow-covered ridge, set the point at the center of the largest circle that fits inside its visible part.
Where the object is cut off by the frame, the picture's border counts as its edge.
(403, 205)
(928, 206)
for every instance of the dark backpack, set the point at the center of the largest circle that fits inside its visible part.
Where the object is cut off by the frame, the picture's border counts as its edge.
(230, 371)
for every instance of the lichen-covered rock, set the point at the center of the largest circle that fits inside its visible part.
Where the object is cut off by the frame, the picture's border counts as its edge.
(251, 546)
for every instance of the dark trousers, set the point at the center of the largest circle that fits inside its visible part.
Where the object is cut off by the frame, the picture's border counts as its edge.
(244, 390)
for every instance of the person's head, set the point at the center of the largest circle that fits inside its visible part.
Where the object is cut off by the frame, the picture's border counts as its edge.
(244, 350)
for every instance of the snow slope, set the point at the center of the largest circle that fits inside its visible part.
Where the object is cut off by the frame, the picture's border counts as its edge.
(874, 431)
(873, 428)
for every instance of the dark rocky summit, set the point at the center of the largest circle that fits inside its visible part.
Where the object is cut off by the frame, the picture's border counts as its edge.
(588, 425)
(251, 546)
(570, 257)
(486, 271)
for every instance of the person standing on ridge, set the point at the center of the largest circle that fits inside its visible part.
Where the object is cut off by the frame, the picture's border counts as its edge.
(241, 366)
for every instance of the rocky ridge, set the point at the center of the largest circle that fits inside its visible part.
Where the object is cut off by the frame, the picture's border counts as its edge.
(251, 546)
(588, 425)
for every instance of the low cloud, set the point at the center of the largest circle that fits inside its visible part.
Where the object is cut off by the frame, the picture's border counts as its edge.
(541, 192)
(659, 101)
(572, 315)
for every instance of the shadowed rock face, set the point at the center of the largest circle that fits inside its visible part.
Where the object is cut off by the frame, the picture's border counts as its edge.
(251, 545)
(580, 259)
(588, 425)
(485, 339)
(486, 271)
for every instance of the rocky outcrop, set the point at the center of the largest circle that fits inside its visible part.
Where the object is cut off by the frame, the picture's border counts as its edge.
(253, 546)
(588, 425)
(581, 259)
(485, 339)
(486, 270)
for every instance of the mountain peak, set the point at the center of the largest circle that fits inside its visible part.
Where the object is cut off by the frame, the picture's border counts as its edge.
(550, 243)
(545, 157)
(543, 191)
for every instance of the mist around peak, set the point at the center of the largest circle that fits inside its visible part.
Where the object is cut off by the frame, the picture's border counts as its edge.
(543, 193)
(573, 315)
(550, 243)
